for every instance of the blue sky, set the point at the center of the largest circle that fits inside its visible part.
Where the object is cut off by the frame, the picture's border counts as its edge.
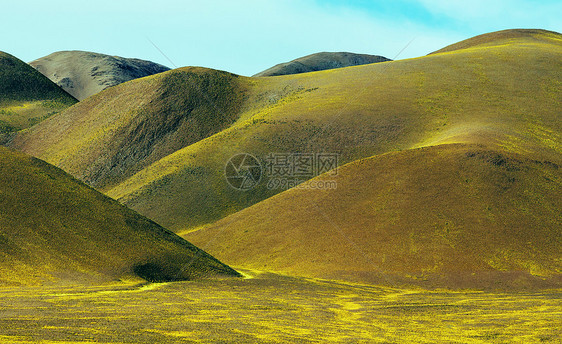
(247, 36)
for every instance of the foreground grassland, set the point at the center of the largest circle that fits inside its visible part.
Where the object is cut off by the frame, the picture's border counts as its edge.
(275, 309)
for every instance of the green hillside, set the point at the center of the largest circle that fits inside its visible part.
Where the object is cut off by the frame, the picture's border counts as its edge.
(504, 96)
(26, 96)
(55, 229)
(504, 37)
(118, 132)
(458, 216)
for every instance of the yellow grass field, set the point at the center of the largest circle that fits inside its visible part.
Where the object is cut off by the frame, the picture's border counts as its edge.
(270, 308)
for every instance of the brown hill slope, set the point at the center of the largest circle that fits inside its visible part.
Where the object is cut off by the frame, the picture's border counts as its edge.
(83, 74)
(53, 228)
(458, 216)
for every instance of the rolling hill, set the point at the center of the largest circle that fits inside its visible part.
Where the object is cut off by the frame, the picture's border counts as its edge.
(83, 73)
(26, 96)
(503, 37)
(455, 215)
(505, 97)
(55, 229)
(321, 61)
(118, 132)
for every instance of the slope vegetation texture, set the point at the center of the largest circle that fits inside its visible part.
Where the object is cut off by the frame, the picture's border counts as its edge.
(55, 229)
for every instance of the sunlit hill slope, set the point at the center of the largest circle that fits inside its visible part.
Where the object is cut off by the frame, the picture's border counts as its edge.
(453, 215)
(26, 96)
(504, 97)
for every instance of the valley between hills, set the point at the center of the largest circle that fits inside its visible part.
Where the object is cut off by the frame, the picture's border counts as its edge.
(119, 223)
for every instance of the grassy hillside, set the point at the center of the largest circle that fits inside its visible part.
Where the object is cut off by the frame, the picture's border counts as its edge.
(503, 96)
(26, 96)
(116, 133)
(54, 228)
(321, 61)
(83, 74)
(504, 37)
(451, 215)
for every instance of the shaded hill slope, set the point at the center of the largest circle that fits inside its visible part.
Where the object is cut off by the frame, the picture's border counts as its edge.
(111, 135)
(458, 216)
(83, 73)
(321, 61)
(54, 228)
(26, 96)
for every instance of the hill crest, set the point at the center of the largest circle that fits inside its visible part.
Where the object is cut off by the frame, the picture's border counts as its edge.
(502, 37)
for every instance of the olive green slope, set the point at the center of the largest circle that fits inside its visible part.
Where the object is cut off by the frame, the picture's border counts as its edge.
(26, 96)
(505, 97)
(127, 142)
(113, 134)
(456, 216)
(55, 229)
(504, 37)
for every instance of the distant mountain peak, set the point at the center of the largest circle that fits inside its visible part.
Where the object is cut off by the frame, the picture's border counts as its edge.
(83, 73)
(321, 61)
